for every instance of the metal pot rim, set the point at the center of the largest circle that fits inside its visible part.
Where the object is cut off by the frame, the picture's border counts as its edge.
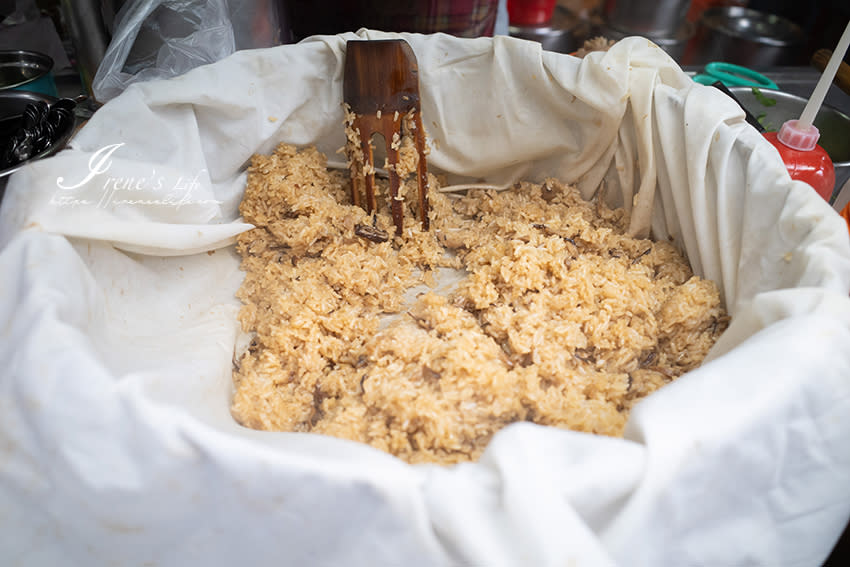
(9, 57)
(716, 19)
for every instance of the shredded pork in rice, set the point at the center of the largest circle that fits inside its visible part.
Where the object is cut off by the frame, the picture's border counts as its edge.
(524, 305)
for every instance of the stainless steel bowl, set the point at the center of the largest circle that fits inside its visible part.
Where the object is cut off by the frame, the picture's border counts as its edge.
(746, 37)
(834, 125)
(26, 70)
(552, 39)
(646, 17)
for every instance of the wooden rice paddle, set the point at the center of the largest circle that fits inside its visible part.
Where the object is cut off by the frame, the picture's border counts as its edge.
(381, 87)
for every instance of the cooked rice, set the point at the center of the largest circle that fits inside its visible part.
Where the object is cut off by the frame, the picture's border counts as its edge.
(598, 43)
(560, 319)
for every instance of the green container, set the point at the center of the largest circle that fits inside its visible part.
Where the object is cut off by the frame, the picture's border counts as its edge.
(27, 71)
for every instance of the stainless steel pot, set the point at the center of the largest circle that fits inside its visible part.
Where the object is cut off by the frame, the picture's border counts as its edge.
(745, 37)
(646, 17)
(90, 24)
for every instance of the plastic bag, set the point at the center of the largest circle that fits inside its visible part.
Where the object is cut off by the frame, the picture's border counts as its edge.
(118, 324)
(158, 39)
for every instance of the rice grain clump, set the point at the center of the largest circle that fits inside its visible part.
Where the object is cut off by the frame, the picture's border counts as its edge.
(559, 317)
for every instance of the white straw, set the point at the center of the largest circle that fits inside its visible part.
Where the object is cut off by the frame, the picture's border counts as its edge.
(816, 100)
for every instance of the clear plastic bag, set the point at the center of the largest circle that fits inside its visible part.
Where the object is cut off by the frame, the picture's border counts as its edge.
(159, 39)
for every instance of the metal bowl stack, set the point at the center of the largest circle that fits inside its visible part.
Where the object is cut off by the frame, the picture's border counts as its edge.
(661, 21)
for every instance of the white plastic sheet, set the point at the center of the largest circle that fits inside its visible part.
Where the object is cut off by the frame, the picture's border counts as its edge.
(118, 331)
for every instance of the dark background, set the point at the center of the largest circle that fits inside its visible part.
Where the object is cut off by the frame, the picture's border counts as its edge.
(823, 21)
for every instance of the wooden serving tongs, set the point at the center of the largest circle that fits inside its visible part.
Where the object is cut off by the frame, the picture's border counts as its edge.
(381, 89)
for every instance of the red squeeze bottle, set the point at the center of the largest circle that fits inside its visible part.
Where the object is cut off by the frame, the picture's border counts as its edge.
(797, 140)
(805, 160)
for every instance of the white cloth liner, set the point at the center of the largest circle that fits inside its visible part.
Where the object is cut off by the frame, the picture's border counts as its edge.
(116, 442)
